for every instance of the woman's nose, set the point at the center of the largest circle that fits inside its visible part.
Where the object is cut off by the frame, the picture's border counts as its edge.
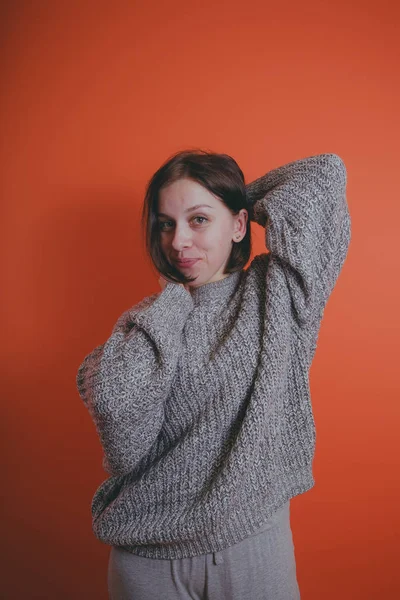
(181, 239)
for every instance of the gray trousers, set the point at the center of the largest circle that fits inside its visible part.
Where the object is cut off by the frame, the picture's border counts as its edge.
(261, 567)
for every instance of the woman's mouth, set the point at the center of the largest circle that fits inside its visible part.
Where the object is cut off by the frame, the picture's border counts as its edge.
(186, 263)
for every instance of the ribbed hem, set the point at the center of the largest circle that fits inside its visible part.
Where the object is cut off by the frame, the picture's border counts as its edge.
(244, 524)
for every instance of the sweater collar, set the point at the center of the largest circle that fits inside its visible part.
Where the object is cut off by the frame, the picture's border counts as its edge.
(216, 292)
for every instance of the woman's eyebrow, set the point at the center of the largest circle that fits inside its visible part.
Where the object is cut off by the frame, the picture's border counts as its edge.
(188, 209)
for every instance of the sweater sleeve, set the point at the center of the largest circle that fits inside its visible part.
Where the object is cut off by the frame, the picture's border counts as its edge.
(125, 381)
(304, 206)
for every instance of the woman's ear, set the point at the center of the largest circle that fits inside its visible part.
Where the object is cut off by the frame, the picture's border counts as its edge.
(241, 225)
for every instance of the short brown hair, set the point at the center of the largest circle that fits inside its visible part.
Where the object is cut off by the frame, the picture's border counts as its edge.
(219, 174)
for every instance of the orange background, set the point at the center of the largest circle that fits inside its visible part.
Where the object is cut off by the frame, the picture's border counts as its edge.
(94, 97)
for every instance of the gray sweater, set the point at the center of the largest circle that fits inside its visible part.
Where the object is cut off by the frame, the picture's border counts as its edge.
(201, 399)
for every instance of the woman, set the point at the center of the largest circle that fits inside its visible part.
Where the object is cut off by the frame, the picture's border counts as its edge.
(200, 396)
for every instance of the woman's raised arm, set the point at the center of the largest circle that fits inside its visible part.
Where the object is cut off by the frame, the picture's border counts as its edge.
(304, 208)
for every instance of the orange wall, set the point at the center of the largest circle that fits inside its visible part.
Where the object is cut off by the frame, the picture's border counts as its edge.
(94, 97)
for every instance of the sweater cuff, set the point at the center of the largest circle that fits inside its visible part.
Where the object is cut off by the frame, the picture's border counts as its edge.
(169, 310)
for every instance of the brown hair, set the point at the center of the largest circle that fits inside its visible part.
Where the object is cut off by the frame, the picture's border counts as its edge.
(219, 174)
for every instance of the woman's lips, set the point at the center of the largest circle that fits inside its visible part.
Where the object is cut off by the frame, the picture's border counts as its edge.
(186, 263)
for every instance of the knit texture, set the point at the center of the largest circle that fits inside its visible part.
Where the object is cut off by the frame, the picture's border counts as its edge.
(201, 398)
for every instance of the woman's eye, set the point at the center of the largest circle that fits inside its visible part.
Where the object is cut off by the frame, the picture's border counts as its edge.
(164, 224)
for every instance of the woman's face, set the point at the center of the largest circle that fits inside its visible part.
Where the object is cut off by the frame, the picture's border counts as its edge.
(194, 224)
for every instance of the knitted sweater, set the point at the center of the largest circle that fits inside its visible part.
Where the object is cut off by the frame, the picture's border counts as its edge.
(201, 398)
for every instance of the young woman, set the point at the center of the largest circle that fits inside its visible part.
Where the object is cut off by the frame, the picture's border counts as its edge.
(201, 396)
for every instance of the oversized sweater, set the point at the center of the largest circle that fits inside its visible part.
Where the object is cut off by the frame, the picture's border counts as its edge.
(201, 398)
